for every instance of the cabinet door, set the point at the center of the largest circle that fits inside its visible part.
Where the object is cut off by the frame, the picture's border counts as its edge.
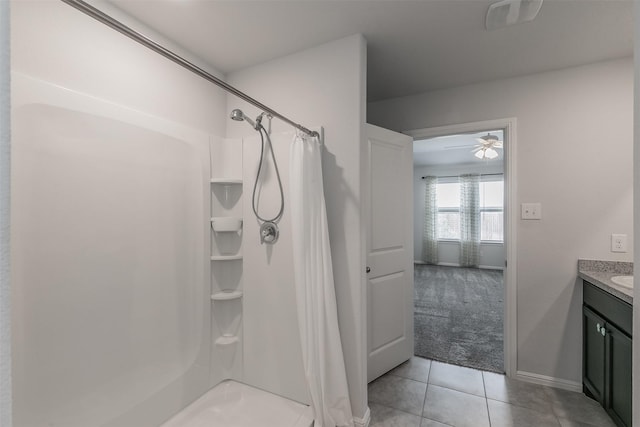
(617, 400)
(593, 353)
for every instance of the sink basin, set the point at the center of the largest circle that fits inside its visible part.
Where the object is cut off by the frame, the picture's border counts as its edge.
(625, 281)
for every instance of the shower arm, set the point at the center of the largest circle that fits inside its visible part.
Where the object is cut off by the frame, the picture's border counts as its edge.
(102, 17)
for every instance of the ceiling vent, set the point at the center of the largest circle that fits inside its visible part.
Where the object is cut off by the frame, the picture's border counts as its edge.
(510, 12)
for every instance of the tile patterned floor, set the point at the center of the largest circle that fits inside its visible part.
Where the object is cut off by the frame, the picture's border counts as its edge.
(425, 393)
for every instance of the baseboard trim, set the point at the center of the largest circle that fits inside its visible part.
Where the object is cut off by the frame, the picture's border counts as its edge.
(549, 381)
(453, 264)
(490, 267)
(364, 421)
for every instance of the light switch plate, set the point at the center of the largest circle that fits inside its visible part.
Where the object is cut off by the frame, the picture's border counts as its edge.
(531, 211)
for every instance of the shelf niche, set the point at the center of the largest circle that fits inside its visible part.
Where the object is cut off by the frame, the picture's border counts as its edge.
(226, 295)
(227, 340)
(226, 257)
(226, 224)
(226, 181)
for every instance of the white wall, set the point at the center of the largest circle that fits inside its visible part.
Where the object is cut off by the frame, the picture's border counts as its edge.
(636, 208)
(491, 254)
(574, 155)
(5, 289)
(323, 86)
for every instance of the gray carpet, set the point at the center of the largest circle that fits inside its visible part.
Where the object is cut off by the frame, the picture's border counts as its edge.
(458, 316)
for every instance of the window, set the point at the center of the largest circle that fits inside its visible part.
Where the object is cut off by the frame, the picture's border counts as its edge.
(448, 203)
(491, 210)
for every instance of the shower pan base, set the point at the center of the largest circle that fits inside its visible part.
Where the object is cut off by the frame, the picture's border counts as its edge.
(232, 404)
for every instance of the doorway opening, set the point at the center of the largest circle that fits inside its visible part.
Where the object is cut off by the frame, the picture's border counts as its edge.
(461, 236)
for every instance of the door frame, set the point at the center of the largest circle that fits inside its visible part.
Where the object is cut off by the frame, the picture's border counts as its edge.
(511, 221)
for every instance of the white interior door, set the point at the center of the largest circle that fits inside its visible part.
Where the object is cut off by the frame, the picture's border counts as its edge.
(388, 194)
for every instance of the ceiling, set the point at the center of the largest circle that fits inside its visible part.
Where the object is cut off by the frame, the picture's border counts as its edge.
(413, 46)
(453, 150)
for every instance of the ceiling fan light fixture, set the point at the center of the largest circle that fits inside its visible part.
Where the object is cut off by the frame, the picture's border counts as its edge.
(490, 138)
(490, 153)
(486, 153)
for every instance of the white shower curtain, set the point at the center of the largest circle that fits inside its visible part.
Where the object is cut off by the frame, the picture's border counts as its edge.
(315, 294)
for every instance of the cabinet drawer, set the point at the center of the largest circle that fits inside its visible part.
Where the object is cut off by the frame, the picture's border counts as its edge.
(614, 309)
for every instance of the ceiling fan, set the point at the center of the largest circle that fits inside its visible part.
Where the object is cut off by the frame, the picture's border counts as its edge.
(486, 147)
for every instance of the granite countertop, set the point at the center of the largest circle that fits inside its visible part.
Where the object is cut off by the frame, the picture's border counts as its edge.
(599, 273)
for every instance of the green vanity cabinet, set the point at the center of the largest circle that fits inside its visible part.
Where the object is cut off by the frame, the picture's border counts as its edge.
(606, 368)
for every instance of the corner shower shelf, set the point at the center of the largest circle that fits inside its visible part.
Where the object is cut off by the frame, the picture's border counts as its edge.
(225, 257)
(226, 181)
(226, 224)
(226, 295)
(227, 340)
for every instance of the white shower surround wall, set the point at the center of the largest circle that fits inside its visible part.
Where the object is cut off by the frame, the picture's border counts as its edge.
(272, 350)
(47, 45)
(111, 274)
(158, 382)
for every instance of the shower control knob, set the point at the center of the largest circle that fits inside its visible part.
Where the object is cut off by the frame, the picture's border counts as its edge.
(269, 233)
(368, 269)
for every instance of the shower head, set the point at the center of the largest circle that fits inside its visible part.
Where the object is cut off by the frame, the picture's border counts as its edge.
(239, 116)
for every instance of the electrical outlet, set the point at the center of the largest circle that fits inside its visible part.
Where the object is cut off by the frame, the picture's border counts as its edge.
(531, 211)
(618, 243)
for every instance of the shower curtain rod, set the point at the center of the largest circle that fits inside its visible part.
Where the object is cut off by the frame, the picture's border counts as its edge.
(147, 42)
(458, 176)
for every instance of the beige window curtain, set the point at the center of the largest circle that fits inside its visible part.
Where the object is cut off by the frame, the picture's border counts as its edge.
(469, 220)
(429, 238)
